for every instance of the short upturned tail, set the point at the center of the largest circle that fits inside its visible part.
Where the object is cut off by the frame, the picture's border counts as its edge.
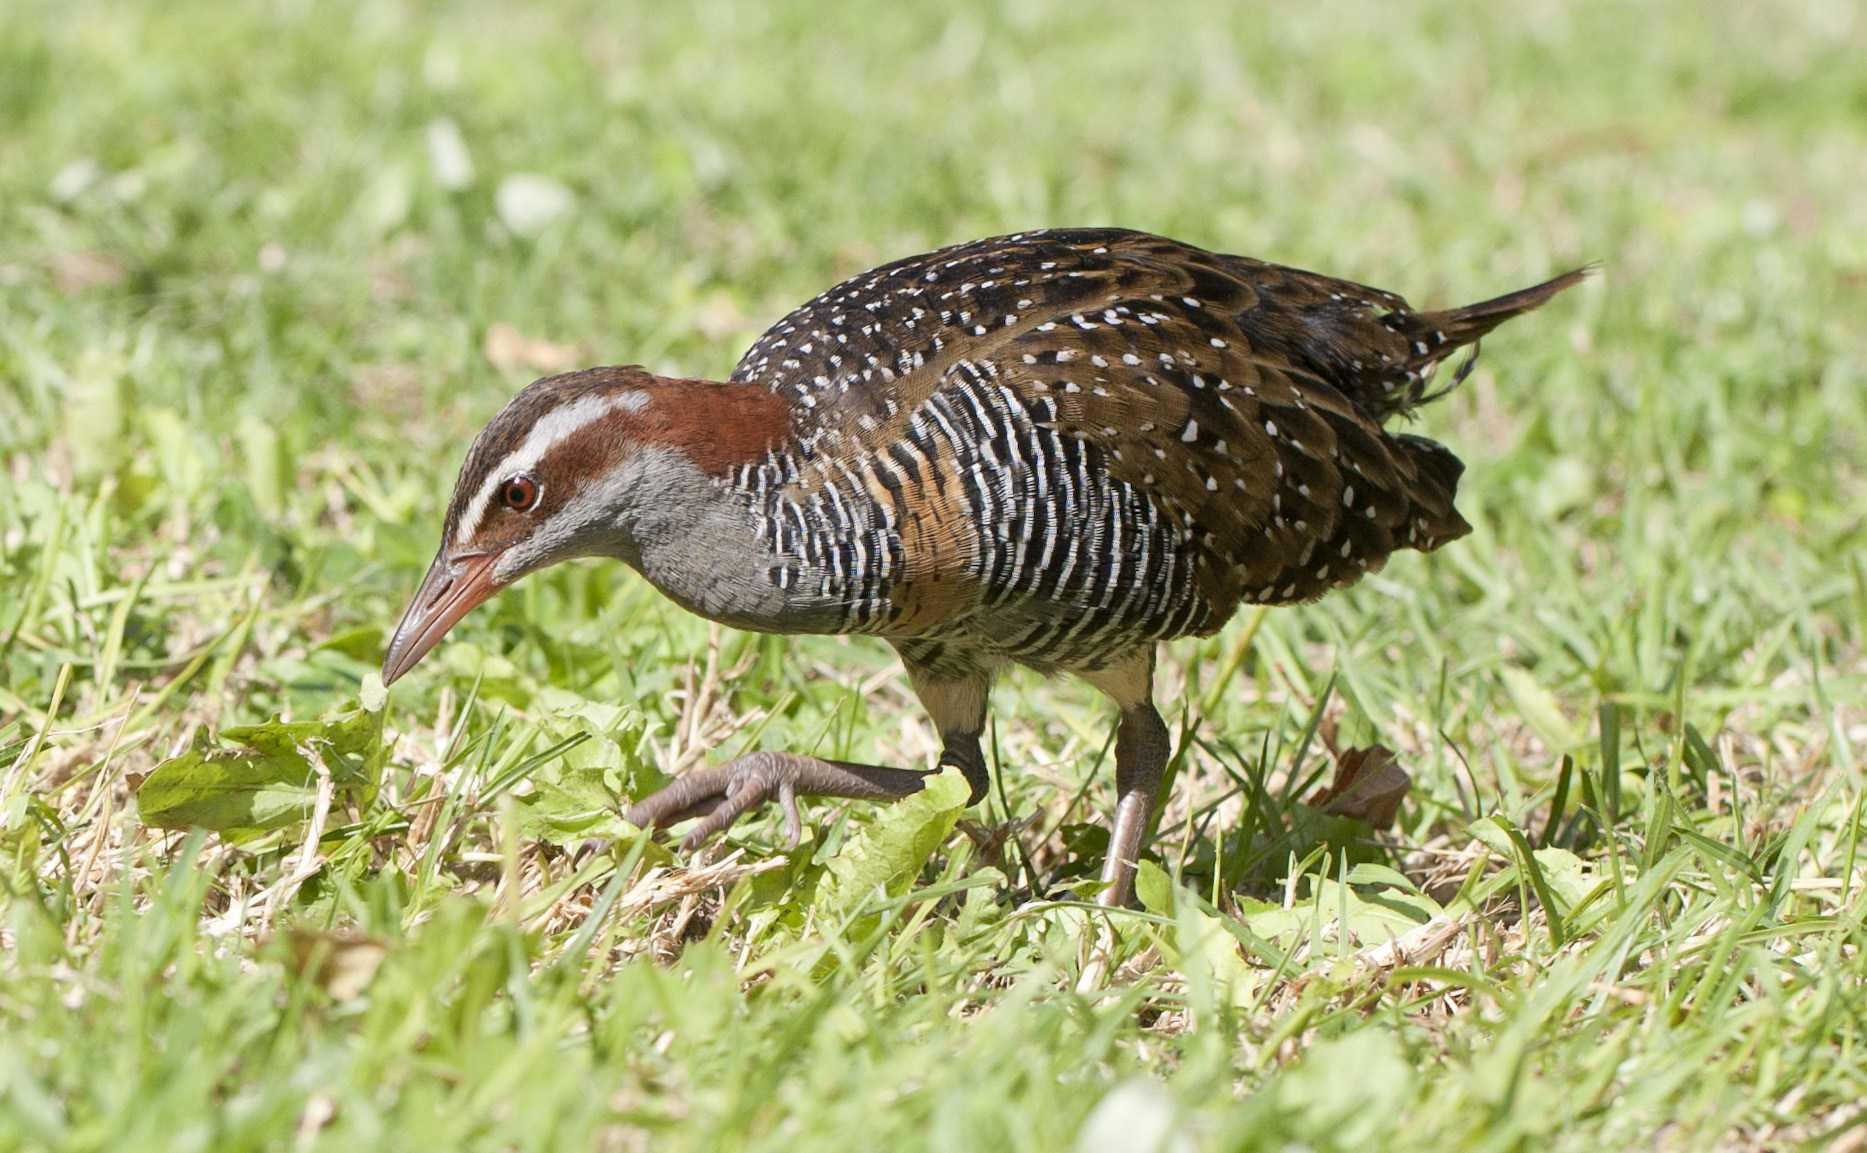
(1467, 325)
(1432, 335)
(1432, 519)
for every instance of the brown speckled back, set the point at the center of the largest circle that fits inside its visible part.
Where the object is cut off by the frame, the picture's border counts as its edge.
(1060, 444)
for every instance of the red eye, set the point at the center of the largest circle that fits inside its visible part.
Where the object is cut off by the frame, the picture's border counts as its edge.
(521, 493)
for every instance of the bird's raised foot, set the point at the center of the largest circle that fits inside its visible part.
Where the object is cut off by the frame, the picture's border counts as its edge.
(723, 793)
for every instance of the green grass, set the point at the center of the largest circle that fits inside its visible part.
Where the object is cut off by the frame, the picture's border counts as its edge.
(247, 329)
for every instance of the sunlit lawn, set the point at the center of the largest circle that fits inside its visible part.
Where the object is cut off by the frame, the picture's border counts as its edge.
(265, 269)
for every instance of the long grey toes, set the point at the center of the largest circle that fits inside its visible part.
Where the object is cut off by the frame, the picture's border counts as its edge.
(695, 795)
(719, 795)
(723, 793)
(747, 792)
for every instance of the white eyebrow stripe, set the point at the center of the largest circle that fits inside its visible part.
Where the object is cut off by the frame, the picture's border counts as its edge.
(553, 428)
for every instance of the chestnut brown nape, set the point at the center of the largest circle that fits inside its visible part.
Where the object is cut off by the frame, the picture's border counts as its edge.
(1055, 449)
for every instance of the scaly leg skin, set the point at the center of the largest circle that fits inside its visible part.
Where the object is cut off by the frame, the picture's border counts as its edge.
(1140, 761)
(725, 792)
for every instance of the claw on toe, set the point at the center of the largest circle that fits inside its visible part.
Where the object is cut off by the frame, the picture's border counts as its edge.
(793, 823)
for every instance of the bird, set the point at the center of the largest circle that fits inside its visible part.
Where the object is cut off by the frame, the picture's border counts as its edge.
(1055, 449)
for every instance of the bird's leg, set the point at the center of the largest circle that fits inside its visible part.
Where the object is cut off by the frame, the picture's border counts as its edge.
(724, 792)
(961, 750)
(956, 706)
(1140, 761)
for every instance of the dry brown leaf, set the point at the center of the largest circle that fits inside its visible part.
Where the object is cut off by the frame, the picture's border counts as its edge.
(1368, 786)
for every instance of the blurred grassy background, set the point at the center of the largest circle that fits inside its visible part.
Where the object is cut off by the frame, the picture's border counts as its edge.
(265, 269)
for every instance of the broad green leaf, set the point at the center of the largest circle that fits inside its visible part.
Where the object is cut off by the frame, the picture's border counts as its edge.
(498, 678)
(1571, 879)
(980, 909)
(888, 855)
(225, 791)
(1369, 873)
(1372, 915)
(584, 792)
(1492, 834)
(1154, 888)
(363, 643)
(270, 782)
(1563, 881)
(1272, 921)
(1203, 941)
(1198, 944)
(1553, 908)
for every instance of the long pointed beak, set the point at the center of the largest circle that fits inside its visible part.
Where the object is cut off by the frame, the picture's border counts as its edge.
(452, 589)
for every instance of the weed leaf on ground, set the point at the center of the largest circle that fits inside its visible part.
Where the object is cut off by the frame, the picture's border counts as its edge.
(889, 854)
(273, 780)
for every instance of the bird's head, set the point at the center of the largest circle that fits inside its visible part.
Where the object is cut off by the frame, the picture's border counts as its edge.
(560, 473)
